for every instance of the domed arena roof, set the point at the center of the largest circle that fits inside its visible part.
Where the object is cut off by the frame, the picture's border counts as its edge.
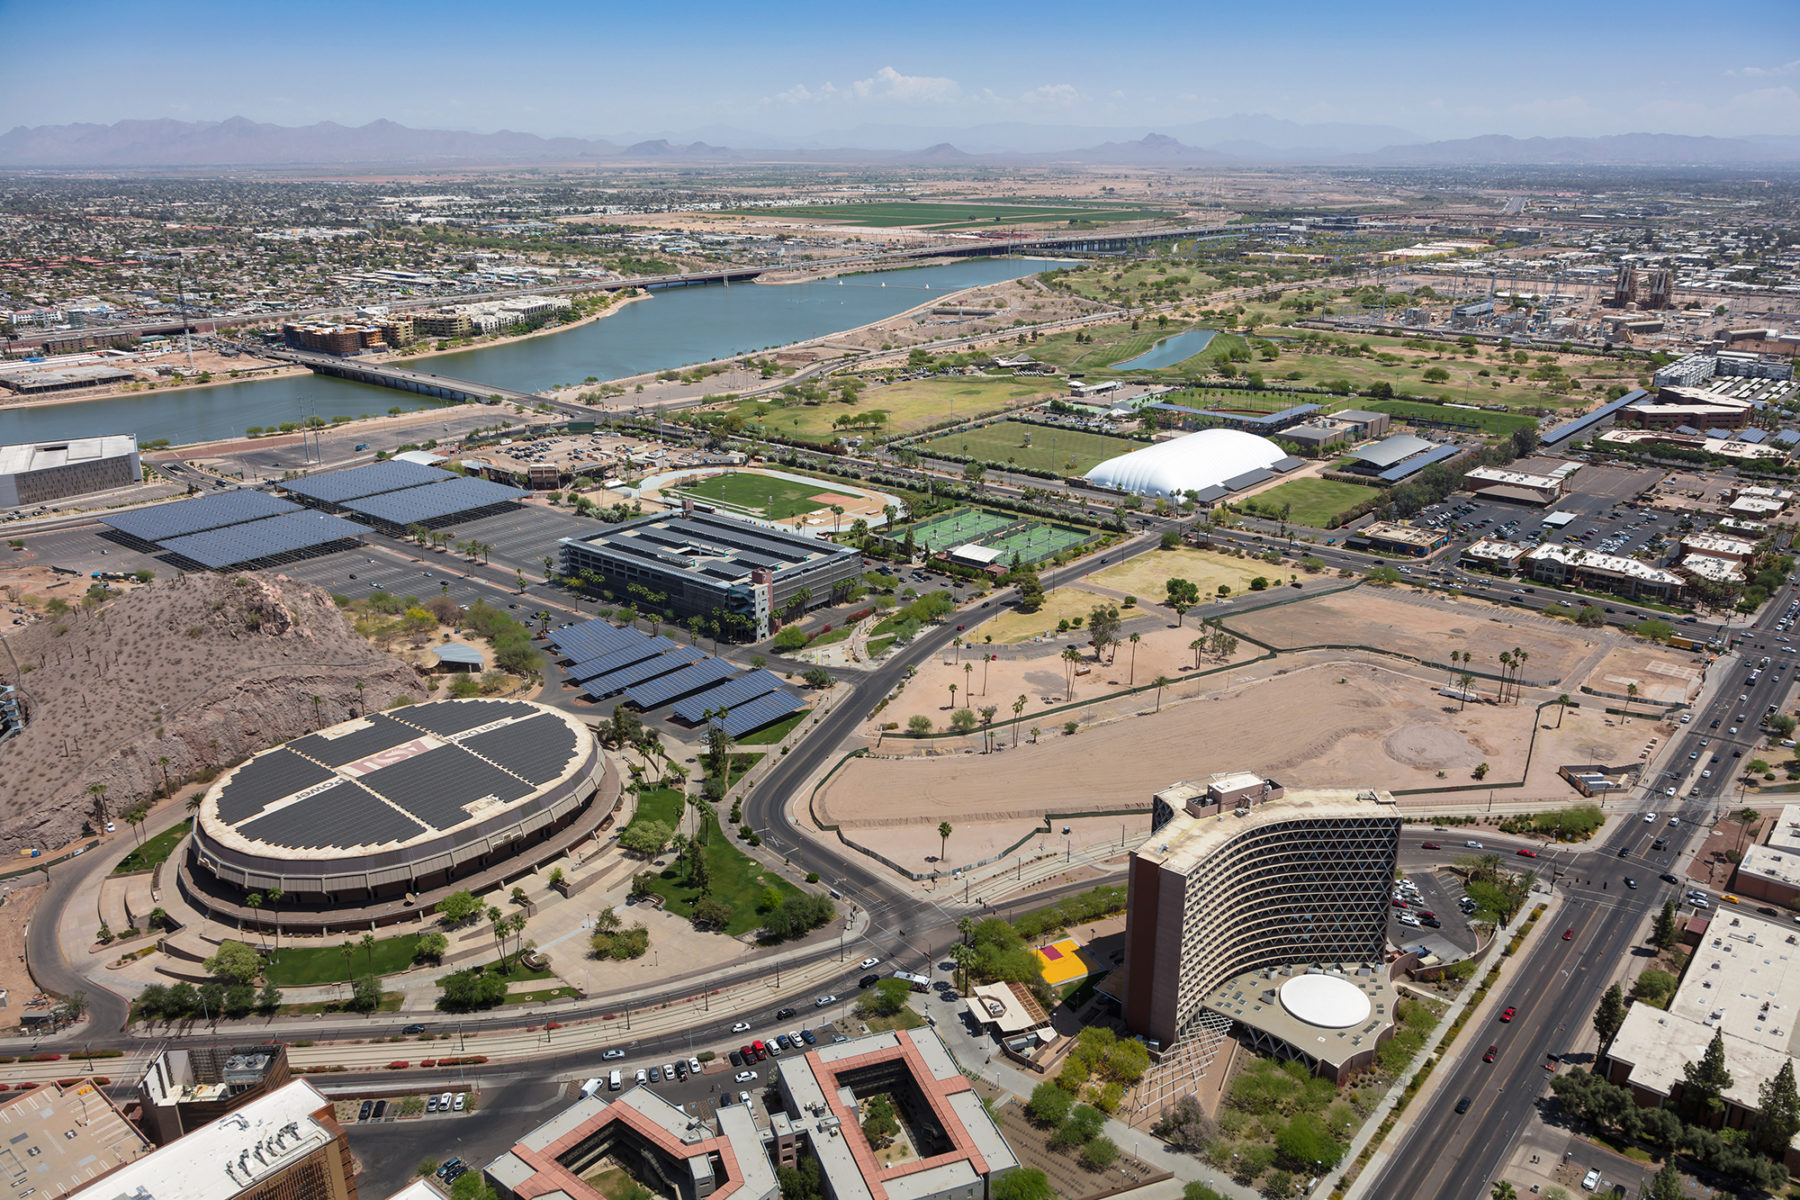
(1192, 463)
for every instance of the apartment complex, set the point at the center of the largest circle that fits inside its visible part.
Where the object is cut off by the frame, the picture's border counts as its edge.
(1267, 909)
(38, 472)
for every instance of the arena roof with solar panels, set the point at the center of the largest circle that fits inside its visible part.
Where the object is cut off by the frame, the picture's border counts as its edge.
(396, 797)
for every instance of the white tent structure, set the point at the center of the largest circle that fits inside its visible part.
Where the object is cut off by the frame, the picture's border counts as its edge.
(1192, 463)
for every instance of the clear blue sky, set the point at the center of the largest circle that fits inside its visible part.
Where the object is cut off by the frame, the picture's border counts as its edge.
(1575, 67)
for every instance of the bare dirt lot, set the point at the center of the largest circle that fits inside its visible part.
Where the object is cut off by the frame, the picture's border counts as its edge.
(1325, 720)
(1427, 628)
(1659, 672)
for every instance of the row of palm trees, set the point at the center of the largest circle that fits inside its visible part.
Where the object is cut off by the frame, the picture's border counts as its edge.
(1512, 674)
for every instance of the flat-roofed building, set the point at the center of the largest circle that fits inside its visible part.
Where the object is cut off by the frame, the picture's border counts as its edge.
(38, 472)
(1315, 437)
(1361, 423)
(1492, 554)
(1708, 569)
(1740, 982)
(45, 380)
(1696, 408)
(60, 1139)
(1391, 537)
(1605, 572)
(185, 1088)
(1390, 452)
(1494, 483)
(1232, 898)
(285, 1145)
(1770, 869)
(701, 563)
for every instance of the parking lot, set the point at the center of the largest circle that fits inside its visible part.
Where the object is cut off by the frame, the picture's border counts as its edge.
(1437, 894)
(1598, 525)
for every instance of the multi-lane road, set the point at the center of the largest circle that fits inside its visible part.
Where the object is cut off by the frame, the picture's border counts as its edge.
(1556, 984)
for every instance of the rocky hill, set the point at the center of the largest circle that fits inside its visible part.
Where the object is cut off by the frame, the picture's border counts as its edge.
(170, 681)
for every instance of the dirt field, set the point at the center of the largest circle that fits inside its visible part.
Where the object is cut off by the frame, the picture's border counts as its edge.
(14, 917)
(1147, 575)
(1660, 672)
(1426, 628)
(1327, 720)
(1061, 604)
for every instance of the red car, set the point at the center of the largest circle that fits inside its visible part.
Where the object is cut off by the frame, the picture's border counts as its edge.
(749, 1053)
(1427, 915)
(1399, 904)
(1568, 935)
(1429, 846)
(1526, 853)
(1489, 1056)
(1508, 1014)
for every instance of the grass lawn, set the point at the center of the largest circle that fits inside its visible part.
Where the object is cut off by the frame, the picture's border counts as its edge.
(390, 1002)
(154, 850)
(878, 646)
(910, 405)
(771, 734)
(764, 495)
(737, 879)
(659, 804)
(1035, 447)
(1315, 501)
(1489, 422)
(906, 1018)
(1147, 575)
(835, 636)
(887, 214)
(300, 966)
(1060, 604)
(543, 997)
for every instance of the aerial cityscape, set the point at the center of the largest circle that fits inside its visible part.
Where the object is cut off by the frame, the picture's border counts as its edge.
(493, 498)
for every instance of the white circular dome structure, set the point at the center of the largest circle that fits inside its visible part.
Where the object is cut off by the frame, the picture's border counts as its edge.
(1192, 463)
(1325, 1001)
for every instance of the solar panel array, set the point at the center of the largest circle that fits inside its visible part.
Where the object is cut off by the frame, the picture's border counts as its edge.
(761, 711)
(344, 814)
(335, 487)
(416, 505)
(437, 786)
(266, 779)
(270, 537)
(538, 749)
(612, 660)
(614, 682)
(661, 690)
(732, 692)
(1413, 466)
(382, 733)
(202, 512)
(448, 720)
(591, 639)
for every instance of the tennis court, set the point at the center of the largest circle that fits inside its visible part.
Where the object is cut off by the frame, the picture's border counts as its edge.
(957, 527)
(1035, 542)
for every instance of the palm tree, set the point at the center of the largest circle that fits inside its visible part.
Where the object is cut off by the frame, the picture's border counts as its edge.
(953, 695)
(969, 679)
(1160, 682)
(134, 818)
(837, 511)
(1562, 707)
(316, 701)
(957, 643)
(1505, 664)
(1631, 691)
(1134, 639)
(360, 685)
(1197, 645)
(163, 762)
(1464, 682)
(987, 727)
(944, 832)
(98, 792)
(254, 903)
(1018, 707)
(368, 946)
(274, 898)
(195, 801)
(1747, 819)
(963, 955)
(1034, 734)
(1071, 659)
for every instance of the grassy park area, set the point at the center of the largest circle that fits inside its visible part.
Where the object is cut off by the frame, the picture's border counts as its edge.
(907, 406)
(1314, 501)
(1147, 575)
(761, 495)
(1034, 447)
(154, 850)
(302, 966)
(1105, 345)
(737, 879)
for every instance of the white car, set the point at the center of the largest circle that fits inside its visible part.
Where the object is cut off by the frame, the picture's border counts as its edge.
(744, 1077)
(1591, 1180)
(1650, 818)
(741, 1027)
(866, 963)
(823, 1001)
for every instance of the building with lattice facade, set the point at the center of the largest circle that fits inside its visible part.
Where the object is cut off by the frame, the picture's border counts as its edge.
(39, 472)
(1242, 887)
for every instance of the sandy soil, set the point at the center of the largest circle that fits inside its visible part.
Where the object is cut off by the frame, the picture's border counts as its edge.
(1147, 575)
(1317, 719)
(1660, 672)
(15, 980)
(1423, 627)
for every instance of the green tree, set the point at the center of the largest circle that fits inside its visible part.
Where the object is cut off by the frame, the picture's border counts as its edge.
(1049, 1105)
(879, 1120)
(1306, 1145)
(1610, 1014)
(1665, 931)
(1099, 1153)
(1777, 1111)
(1024, 1183)
(645, 838)
(1503, 1191)
(431, 947)
(1666, 1183)
(1199, 1191)
(1185, 1125)
(365, 995)
(963, 720)
(467, 991)
(1181, 595)
(268, 1001)
(458, 907)
(472, 1186)
(235, 962)
(1703, 1084)
(918, 725)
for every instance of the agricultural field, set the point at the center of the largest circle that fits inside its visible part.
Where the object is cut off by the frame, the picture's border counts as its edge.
(1034, 447)
(764, 495)
(907, 406)
(1315, 501)
(887, 214)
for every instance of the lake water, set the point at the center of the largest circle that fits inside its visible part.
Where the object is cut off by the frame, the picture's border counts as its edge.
(676, 327)
(1169, 351)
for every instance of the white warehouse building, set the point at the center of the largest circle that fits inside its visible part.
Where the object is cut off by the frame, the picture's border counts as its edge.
(1212, 458)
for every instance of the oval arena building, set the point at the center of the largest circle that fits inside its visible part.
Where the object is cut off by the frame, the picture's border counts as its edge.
(370, 820)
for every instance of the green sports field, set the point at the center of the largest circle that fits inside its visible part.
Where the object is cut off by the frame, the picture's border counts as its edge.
(760, 495)
(1488, 422)
(1033, 541)
(1064, 451)
(1314, 501)
(952, 215)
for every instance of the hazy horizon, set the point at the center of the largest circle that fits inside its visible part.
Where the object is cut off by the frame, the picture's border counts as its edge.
(809, 70)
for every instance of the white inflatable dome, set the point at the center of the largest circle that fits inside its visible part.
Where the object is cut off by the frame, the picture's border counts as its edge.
(1191, 463)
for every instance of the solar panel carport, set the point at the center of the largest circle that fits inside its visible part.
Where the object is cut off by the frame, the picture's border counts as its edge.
(761, 711)
(664, 688)
(732, 692)
(1413, 466)
(271, 537)
(590, 639)
(335, 487)
(434, 501)
(612, 660)
(202, 512)
(614, 682)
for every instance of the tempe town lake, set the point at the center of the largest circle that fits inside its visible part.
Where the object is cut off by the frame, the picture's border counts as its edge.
(677, 327)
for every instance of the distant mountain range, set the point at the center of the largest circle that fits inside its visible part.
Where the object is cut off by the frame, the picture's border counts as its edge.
(1242, 140)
